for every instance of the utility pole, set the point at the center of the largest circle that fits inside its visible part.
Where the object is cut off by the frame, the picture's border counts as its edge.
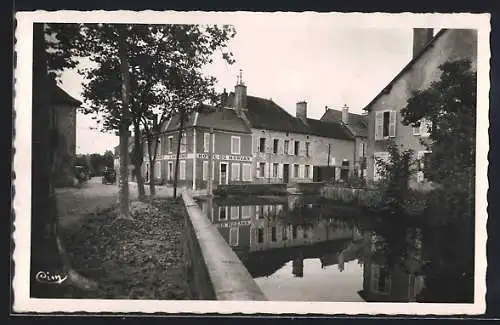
(210, 164)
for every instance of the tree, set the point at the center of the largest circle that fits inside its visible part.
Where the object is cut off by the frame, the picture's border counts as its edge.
(47, 252)
(450, 104)
(176, 82)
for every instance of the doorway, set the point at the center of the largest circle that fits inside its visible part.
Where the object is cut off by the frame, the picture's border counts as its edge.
(286, 173)
(170, 170)
(223, 176)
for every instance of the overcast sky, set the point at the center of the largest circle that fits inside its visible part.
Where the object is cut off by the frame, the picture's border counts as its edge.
(324, 65)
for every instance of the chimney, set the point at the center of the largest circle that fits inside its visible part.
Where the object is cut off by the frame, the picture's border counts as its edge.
(421, 37)
(345, 114)
(326, 109)
(301, 110)
(240, 94)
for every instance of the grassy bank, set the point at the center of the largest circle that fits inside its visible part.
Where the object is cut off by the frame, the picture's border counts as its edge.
(140, 258)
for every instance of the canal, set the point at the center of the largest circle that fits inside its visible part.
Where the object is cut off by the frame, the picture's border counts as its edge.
(300, 248)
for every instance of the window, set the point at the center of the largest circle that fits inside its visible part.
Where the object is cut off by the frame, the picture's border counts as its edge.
(362, 149)
(235, 171)
(262, 145)
(344, 171)
(234, 233)
(381, 280)
(170, 170)
(307, 173)
(235, 212)
(235, 145)
(223, 213)
(296, 170)
(158, 147)
(383, 156)
(305, 233)
(273, 234)
(157, 169)
(294, 232)
(296, 148)
(205, 170)
(307, 149)
(275, 170)
(385, 124)
(286, 145)
(206, 142)
(284, 235)
(260, 235)
(262, 169)
(275, 145)
(170, 144)
(259, 211)
(182, 171)
(245, 212)
(184, 142)
(247, 172)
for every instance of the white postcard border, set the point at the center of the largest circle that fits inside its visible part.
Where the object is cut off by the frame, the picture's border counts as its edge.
(22, 163)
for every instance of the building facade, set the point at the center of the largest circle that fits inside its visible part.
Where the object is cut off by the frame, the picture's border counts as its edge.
(358, 126)
(250, 140)
(384, 117)
(64, 107)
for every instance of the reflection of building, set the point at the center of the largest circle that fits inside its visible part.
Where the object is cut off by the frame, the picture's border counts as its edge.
(384, 118)
(397, 283)
(259, 226)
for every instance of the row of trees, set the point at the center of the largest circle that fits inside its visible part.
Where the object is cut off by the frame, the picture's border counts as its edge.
(95, 162)
(139, 77)
(446, 214)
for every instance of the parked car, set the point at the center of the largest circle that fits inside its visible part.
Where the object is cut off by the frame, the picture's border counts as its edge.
(109, 176)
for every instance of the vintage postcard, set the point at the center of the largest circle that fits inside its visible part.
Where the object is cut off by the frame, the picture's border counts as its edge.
(245, 162)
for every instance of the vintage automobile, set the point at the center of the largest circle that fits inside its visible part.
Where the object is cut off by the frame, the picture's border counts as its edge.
(109, 176)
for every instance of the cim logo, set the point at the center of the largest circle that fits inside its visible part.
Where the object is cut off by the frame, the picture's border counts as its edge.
(50, 278)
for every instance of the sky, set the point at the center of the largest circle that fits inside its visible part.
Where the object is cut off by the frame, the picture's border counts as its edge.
(321, 64)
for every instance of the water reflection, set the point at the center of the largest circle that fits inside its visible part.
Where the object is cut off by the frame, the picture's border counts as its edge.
(298, 248)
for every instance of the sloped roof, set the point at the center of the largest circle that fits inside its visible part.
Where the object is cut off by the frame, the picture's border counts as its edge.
(265, 114)
(59, 96)
(357, 123)
(211, 117)
(405, 69)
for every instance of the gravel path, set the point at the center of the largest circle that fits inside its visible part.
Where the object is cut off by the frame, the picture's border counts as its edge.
(139, 258)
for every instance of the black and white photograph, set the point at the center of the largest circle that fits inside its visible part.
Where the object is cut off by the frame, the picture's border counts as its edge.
(244, 162)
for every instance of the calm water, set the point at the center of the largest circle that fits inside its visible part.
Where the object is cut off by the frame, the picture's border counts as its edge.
(300, 249)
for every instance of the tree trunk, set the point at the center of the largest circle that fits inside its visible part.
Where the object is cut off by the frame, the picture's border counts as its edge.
(138, 161)
(177, 156)
(152, 187)
(123, 195)
(45, 256)
(152, 159)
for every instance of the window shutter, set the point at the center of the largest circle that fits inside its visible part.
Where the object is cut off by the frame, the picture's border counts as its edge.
(379, 120)
(280, 170)
(266, 170)
(205, 170)
(301, 171)
(392, 124)
(206, 142)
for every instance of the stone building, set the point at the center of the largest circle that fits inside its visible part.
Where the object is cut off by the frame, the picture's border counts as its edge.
(358, 126)
(384, 117)
(65, 119)
(251, 140)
